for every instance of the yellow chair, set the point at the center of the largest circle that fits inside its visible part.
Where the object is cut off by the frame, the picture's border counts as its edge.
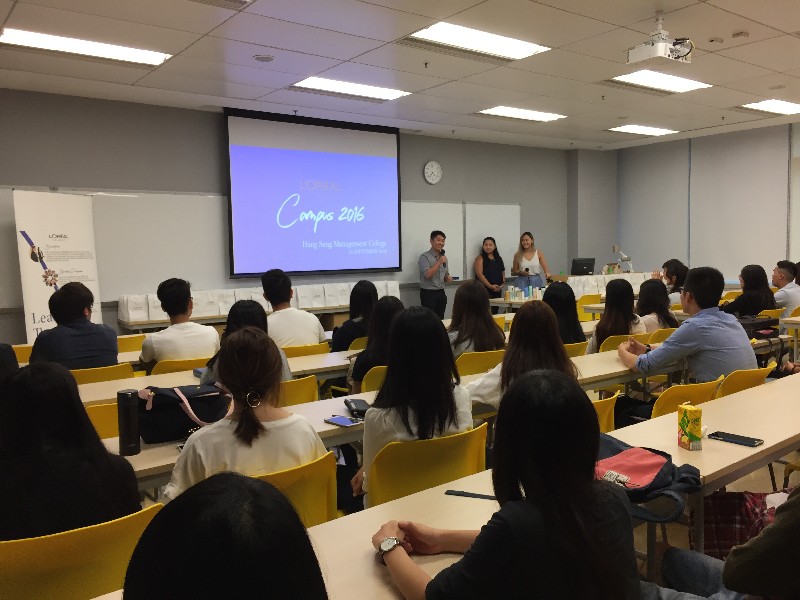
(120, 371)
(795, 312)
(613, 341)
(583, 301)
(659, 335)
(692, 393)
(306, 350)
(773, 289)
(299, 391)
(130, 343)
(605, 412)
(174, 366)
(357, 344)
(311, 488)
(472, 363)
(500, 320)
(576, 349)
(77, 564)
(772, 313)
(23, 352)
(743, 380)
(402, 468)
(730, 296)
(104, 418)
(373, 380)
(676, 307)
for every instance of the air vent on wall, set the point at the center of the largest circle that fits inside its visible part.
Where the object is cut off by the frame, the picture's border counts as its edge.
(450, 51)
(293, 88)
(231, 4)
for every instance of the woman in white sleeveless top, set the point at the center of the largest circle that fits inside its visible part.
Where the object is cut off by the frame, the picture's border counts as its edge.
(530, 266)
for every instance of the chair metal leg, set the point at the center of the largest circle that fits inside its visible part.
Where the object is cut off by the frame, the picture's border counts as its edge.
(772, 478)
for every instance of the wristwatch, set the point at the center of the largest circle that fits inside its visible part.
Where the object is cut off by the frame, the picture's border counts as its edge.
(387, 545)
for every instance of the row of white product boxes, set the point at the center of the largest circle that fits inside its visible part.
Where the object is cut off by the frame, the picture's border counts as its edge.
(596, 284)
(211, 303)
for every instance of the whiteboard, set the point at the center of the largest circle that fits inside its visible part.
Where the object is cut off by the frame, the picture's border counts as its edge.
(418, 220)
(500, 221)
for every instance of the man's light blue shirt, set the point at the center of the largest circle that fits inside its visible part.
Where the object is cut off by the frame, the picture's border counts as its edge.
(712, 342)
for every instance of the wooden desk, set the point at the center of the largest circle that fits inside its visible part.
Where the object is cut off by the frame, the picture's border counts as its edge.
(792, 325)
(599, 309)
(324, 366)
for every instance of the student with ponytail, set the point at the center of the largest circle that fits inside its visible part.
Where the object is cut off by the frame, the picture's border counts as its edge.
(257, 437)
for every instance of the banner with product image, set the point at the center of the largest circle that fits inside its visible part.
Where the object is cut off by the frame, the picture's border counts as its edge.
(55, 238)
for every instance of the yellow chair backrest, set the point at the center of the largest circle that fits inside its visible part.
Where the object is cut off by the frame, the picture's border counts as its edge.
(311, 488)
(576, 349)
(692, 393)
(402, 468)
(104, 418)
(795, 312)
(584, 300)
(772, 313)
(472, 363)
(120, 371)
(174, 366)
(358, 344)
(676, 307)
(500, 320)
(299, 391)
(130, 343)
(659, 335)
(306, 350)
(612, 341)
(743, 380)
(773, 289)
(373, 380)
(77, 564)
(605, 412)
(23, 352)
(729, 296)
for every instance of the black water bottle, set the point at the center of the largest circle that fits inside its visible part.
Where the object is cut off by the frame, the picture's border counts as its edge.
(128, 419)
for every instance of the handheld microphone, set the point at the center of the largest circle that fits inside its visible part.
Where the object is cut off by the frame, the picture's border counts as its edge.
(441, 253)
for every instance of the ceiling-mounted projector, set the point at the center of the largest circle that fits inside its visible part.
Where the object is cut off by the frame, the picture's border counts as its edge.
(661, 48)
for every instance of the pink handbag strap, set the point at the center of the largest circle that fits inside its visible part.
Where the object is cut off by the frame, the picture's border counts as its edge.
(187, 408)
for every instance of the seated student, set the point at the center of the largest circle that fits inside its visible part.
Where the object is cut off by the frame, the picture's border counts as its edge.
(533, 343)
(182, 339)
(8, 361)
(420, 398)
(472, 328)
(243, 313)
(712, 342)
(75, 342)
(673, 275)
(788, 294)
(363, 297)
(288, 326)
(229, 536)
(56, 474)
(756, 295)
(376, 354)
(618, 317)
(653, 306)
(560, 297)
(559, 532)
(258, 437)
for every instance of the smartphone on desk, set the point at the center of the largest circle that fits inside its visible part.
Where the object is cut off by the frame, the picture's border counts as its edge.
(735, 439)
(343, 421)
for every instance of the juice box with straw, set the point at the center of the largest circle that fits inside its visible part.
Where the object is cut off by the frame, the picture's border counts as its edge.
(690, 430)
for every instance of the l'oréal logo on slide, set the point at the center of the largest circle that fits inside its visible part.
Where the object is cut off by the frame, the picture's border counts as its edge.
(307, 185)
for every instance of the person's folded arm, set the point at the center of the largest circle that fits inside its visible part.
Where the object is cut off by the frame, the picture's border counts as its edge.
(679, 345)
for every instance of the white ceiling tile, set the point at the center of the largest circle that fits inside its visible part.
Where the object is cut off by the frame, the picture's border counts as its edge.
(779, 54)
(204, 69)
(619, 12)
(709, 119)
(440, 9)
(376, 22)
(779, 86)
(182, 15)
(368, 75)
(246, 27)
(720, 97)
(479, 93)
(506, 78)
(530, 22)
(570, 65)
(714, 69)
(196, 85)
(462, 106)
(780, 14)
(611, 46)
(69, 66)
(424, 62)
(311, 100)
(98, 29)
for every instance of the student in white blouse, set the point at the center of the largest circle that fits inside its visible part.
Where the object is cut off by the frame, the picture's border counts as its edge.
(652, 306)
(420, 398)
(258, 437)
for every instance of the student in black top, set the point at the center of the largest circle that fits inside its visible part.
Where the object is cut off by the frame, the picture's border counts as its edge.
(377, 351)
(756, 295)
(490, 270)
(472, 328)
(559, 533)
(561, 298)
(8, 361)
(363, 297)
(56, 474)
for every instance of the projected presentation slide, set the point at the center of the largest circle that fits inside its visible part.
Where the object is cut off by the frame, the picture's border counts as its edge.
(308, 198)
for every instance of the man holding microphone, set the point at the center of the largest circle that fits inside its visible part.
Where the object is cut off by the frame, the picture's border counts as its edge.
(433, 274)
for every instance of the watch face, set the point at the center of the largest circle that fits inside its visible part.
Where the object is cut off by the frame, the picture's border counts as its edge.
(388, 544)
(432, 172)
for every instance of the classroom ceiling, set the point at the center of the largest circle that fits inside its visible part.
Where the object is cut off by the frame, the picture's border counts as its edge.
(756, 56)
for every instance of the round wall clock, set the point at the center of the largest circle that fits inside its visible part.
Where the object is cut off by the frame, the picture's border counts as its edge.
(432, 172)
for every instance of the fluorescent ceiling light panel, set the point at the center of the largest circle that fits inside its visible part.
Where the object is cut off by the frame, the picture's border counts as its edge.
(43, 41)
(643, 130)
(352, 89)
(521, 113)
(478, 41)
(779, 107)
(661, 81)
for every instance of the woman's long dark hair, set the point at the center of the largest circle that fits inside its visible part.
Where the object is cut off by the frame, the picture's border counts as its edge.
(560, 297)
(653, 298)
(420, 373)
(754, 281)
(243, 313)
(472, 319)
(250, 367)
(496, 253)
(555, 469)
(363, 297)
(534, 343)
(618, 314)
(675, 268)
(379, 325)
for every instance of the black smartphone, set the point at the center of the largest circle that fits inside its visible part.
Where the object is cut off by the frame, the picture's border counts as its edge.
(357, 407)
(735, 439)
(343, 421)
